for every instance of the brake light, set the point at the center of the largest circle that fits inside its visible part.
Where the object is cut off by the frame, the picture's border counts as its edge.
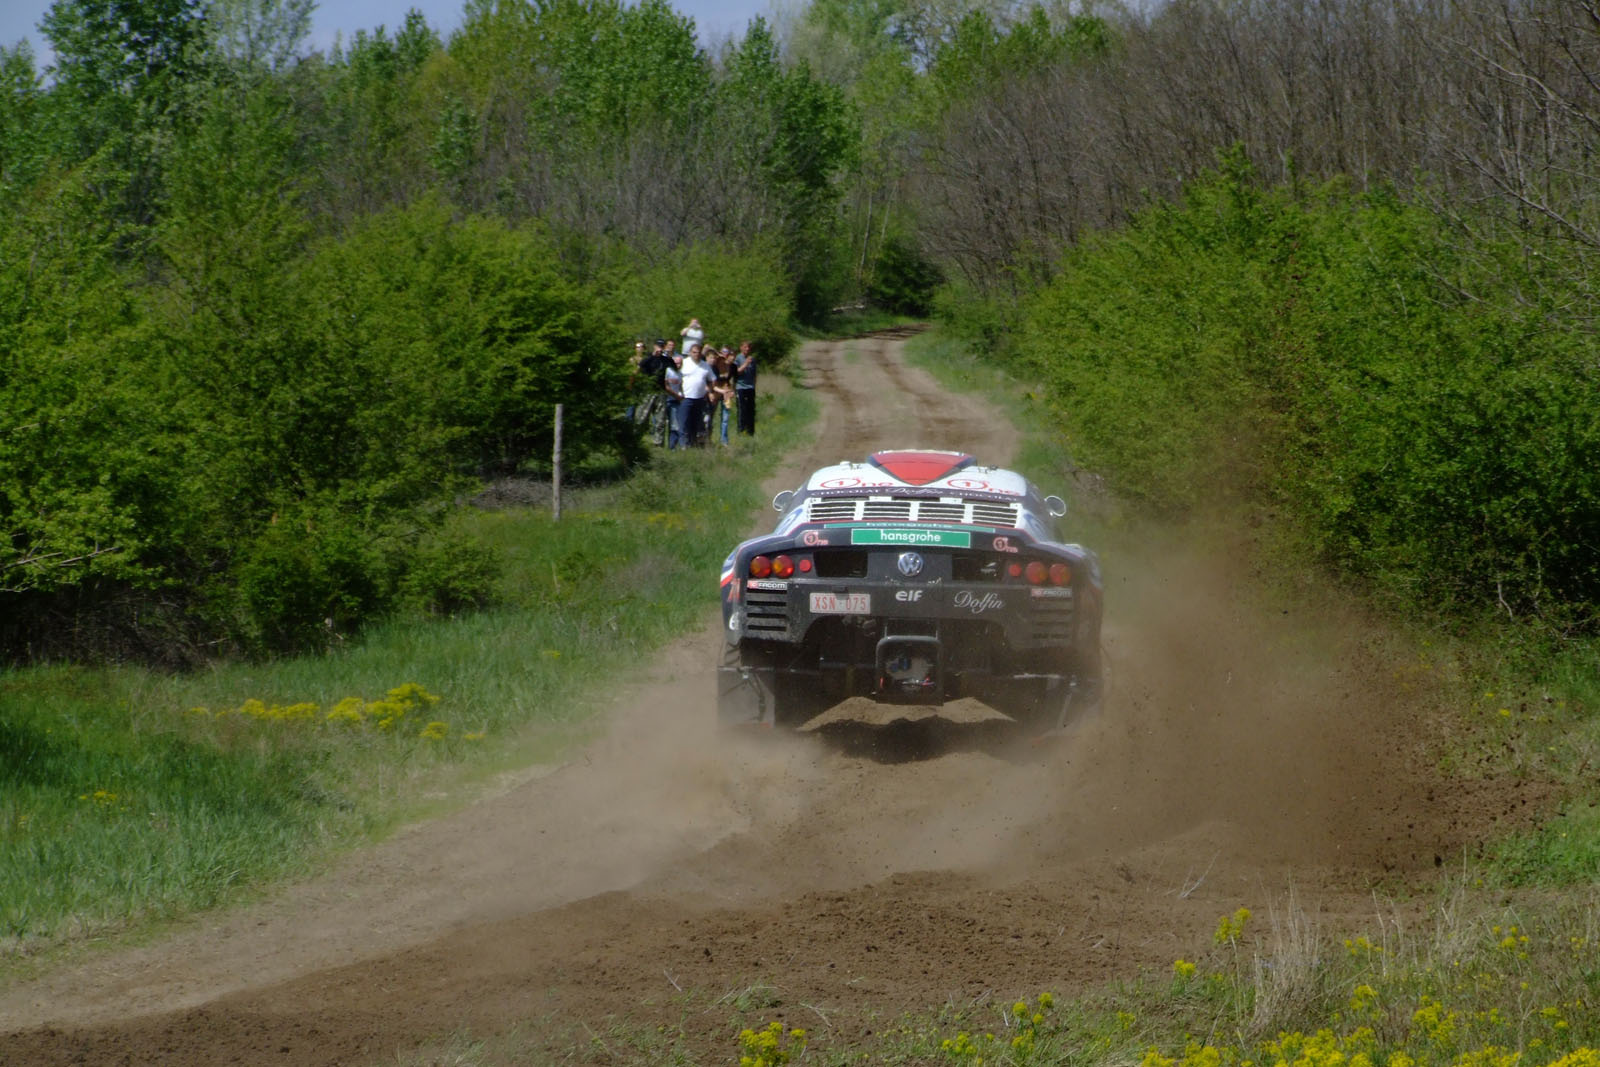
(1060, 574)
(1014, 569)
(760, 567)
(1036, 572)
(782, 567)
(805, 564)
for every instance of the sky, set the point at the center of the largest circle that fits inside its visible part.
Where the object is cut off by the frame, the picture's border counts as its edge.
(715, 19)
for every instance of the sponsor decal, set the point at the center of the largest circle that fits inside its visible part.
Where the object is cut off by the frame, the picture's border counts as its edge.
(813, 537)
(920, 538)
(841, 603)
(908, 596)
(1048, 592)
(1003, 544)
(733, 589)
(910, 564)
(735, 622)
(977, 603)
(766, 583)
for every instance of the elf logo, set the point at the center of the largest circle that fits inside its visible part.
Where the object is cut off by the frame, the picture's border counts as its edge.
(908, 596)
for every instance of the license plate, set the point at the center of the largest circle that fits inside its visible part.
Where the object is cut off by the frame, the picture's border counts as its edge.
(841, 603)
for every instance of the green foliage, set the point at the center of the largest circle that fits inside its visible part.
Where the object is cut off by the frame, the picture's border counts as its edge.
(418, 351)
(737, 296)
(986, 322)
(982, 54)
(120, 73)
(601, 71)
(797, 136)
(257, 35)
(82, 444)
(278, 427)
(1336, 356)
(21, 100)
(903, 278)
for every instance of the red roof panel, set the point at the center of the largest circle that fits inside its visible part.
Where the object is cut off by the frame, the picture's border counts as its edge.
(920, 468)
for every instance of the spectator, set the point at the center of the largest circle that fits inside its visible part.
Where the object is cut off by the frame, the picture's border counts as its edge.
(672, 381)
(692, 335)
(696, 385)
(722, 398)
(638, 382)
(653, 411)
(744, 388)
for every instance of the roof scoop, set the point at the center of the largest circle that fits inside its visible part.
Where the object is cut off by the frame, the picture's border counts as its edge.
(920, 467)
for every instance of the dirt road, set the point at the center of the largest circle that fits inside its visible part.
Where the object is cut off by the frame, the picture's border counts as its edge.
(875, 864)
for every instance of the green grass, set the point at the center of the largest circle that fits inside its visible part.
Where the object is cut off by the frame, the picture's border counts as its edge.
(128, 796)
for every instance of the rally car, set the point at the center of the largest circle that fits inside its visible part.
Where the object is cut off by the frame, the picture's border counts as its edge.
(915, 577)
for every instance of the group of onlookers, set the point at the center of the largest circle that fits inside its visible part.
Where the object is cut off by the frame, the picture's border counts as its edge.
(696, 390)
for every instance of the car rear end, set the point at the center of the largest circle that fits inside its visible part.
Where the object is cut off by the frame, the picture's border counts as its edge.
(902, 602)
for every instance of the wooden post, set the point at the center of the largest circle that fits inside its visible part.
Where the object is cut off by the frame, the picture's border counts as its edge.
(555, 477)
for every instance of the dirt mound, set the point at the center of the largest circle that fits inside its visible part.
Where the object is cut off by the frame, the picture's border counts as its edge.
(884, 859)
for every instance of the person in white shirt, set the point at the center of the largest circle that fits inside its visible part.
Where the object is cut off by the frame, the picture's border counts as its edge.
(696, 383)
(693, 335)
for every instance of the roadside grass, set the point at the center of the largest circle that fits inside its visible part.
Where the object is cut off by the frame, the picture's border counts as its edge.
(1508, 984)
(1547, 728)
(128, 797)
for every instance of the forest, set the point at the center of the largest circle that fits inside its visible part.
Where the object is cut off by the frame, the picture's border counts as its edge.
(267, 313)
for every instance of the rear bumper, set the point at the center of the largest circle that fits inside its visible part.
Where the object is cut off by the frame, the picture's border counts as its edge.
(788, 612)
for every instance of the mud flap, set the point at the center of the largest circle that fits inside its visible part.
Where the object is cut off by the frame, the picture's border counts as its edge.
(746, 696)
(1069, 704)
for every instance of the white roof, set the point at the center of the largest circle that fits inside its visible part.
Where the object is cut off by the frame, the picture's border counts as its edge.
(950, 473)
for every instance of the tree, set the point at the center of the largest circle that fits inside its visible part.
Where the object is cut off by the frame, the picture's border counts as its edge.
(258, 34)
(116, 59)
(21, 98)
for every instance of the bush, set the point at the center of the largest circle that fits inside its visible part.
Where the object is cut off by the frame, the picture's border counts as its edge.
(261, 440)
(903, 278)
(1342, 358)
(308, 575)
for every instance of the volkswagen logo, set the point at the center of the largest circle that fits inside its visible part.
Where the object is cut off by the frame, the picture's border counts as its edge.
(910, 564)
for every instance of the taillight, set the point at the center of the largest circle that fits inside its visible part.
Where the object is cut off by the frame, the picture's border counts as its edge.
(782, 567)
(805, 564)
(1060, 574)
(760, 567)
(1036, 572)
(1014, 569)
